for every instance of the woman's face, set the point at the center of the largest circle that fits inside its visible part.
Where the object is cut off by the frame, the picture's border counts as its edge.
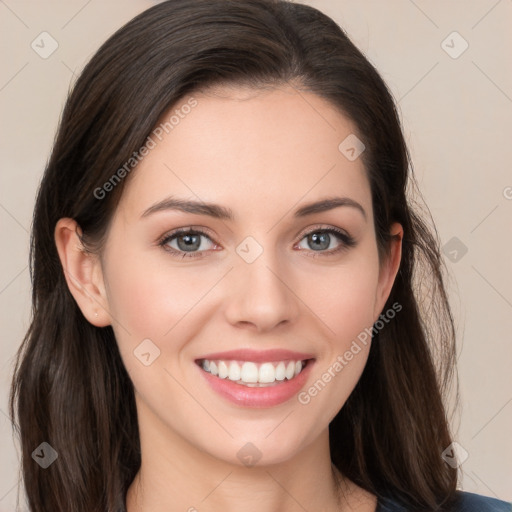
(272, 282)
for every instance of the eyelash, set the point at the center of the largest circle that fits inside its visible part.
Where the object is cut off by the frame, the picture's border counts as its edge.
(346, 241)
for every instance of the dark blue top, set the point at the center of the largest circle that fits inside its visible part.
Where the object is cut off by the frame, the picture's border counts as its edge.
(468, 502)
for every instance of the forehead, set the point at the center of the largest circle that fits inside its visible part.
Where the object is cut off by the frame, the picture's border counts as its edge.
(248, 148)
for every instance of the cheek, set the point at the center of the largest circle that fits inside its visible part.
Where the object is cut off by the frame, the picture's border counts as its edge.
(344, 298)
(155, 311)
(344, 301)
(149, 300)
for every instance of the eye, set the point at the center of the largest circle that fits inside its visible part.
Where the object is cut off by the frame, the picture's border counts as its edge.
(194, 242)
(187, 242)
(326, 241)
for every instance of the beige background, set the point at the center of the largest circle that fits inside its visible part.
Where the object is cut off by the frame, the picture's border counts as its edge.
(457, 116)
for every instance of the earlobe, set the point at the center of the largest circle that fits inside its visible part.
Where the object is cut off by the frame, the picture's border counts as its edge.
(389, 269)
(83, 273)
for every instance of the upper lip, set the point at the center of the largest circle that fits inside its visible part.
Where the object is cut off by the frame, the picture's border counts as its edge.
(258, 356)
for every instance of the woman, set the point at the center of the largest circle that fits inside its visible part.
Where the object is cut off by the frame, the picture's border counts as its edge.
(225, 309)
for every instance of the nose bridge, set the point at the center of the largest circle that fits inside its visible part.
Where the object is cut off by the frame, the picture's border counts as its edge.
(261, 293)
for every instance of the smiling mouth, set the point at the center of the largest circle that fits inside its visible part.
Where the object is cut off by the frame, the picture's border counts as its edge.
(252, 374)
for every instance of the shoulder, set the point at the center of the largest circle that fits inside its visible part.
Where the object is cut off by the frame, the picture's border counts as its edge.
(469, 502)
(465, 502)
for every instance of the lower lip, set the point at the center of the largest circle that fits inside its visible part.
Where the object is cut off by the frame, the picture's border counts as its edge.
(260, 397)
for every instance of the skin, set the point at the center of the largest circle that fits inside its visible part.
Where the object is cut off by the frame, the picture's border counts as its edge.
(262, 153)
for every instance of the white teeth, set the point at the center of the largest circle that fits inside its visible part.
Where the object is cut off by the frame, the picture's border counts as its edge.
(280, 371)
(223, 370)
(290, 370)
(234, 371)
(251, 373)
(267, 373)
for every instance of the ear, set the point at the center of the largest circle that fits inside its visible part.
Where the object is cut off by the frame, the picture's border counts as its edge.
(83, 273)
(389, 269)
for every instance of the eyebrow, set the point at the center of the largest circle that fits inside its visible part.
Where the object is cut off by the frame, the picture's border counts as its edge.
(223, 213)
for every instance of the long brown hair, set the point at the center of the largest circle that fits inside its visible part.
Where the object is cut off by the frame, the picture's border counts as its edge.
(70, 387)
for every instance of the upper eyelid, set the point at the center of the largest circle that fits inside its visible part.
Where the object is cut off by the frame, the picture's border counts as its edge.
(321, 227)
(189, 229)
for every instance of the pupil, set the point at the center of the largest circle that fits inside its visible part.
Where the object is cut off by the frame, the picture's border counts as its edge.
(190, 242)
(321, 239)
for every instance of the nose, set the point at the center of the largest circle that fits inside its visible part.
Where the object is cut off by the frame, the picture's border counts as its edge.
(261, 296)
